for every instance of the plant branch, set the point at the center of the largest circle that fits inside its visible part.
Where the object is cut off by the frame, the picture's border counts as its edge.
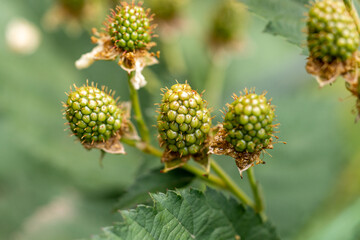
(353, 13)
(210, 178)
(255, 187)
(149, 149)
(231, 185)
(144, 131)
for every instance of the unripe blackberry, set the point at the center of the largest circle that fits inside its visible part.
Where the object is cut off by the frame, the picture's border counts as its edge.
(129, 27)
(74, 7)
(92, 114)
(248, 123)
(166, 9)
(228, 23)
(331, 31)
(184, 121)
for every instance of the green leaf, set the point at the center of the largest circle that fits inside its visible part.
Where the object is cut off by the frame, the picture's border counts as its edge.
(154, 181)
(285, 18)
(190, 214)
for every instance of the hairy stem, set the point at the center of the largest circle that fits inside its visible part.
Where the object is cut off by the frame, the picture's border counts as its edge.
(231, 185)
(135, 104)
(259, 199)
(353, 13)
(210, 178)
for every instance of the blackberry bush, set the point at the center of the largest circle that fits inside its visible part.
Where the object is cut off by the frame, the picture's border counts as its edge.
(129, 27)
(93, 115)
(184, 121)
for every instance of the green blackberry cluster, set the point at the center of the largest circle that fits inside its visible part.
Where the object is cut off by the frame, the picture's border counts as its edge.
(248, 123)
(332, 32)
(184, 121)
(130, 28)
(92, 114)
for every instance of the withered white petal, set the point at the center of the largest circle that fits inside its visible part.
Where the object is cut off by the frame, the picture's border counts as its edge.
(88, 58)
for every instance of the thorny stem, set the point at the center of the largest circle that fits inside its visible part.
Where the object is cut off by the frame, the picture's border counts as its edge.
(149, 149)
(255, 187)
(231, 185)
(353, 13)
(144, 131)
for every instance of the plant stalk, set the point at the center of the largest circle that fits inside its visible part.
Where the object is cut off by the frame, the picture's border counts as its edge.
(231, 185)
(135, 104)
(149, 149)
(258, 196)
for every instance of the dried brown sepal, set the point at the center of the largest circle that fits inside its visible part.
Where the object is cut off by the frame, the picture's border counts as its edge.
(128, 60)
(326, 73)
(203, 159)
(113, 145)
(243, 160)
(355, 91)
(173, 160)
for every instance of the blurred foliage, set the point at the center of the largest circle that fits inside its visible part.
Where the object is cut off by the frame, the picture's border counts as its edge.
(42, 170)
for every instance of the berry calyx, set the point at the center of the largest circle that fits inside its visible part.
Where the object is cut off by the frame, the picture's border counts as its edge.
(332, 32)
(184, 121)
(93, 115)
(129, 27)
(248, 123)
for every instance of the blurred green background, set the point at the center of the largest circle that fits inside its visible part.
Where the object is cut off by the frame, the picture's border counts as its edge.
(52, 188)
